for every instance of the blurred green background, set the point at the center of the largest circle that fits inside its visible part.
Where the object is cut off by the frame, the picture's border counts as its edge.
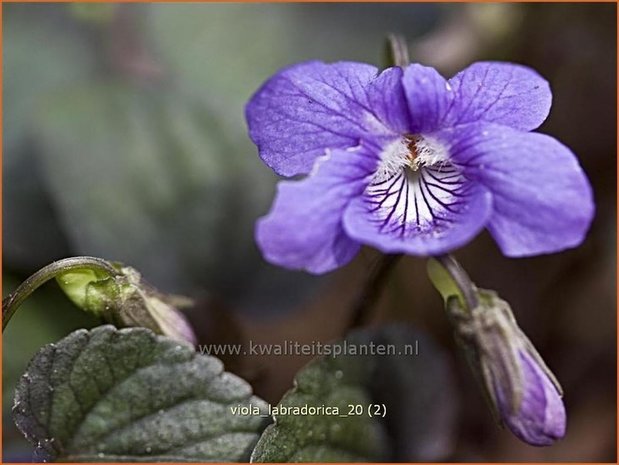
(124, 138)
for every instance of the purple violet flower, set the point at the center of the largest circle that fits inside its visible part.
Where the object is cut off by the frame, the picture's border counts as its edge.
(409, 162)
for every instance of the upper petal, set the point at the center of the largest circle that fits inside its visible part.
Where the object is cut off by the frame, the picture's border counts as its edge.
(310, 107)
(429, 98)
(303, 230)
(387, 100)
(502, 93)
(428, 212)
(542, 200)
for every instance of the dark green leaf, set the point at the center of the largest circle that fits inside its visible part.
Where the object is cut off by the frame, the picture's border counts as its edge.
(129, 395)
(415, 389)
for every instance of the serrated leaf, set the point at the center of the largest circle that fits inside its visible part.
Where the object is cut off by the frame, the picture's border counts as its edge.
(415, 389)
(130, 395)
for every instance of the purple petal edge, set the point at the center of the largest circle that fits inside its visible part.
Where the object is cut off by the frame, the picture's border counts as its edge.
(304, 230)
(541, 419)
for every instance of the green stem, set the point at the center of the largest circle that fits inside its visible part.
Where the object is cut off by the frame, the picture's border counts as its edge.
(17, 297)
(397, 51)
(461, 278)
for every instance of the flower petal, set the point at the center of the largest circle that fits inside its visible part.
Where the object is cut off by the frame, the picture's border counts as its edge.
(427, 212)
(541, 418)
(387, 100)
(542, 200)
(303, 230)
(429, 98)
(308, 108)
(502, 93)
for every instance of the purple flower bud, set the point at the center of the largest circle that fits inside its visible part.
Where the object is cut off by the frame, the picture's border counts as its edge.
(140, 304)
(540, 418)
(523, 393)
(125, 300)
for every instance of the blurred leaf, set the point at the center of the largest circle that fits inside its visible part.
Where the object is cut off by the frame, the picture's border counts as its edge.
(41, 52)
(96, 13)
(199, 44)
(415, 389)
(139, 170)
(129, 395)
(222, 64)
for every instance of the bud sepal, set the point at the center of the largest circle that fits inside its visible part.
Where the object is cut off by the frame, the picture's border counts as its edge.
(124, 299)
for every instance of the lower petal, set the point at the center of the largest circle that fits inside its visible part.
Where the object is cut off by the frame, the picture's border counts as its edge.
(428, 212)
(303, 230)
(542, 200)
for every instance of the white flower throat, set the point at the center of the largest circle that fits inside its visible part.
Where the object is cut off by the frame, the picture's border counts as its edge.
(412, 152)
(415, 186)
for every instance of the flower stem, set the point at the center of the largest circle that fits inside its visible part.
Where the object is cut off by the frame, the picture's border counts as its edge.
(16, 298)
(461, 279)
(397, 51)
(372, 289)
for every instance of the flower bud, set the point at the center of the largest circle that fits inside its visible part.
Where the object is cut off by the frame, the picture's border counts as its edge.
(523, 393)
(126, 299)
